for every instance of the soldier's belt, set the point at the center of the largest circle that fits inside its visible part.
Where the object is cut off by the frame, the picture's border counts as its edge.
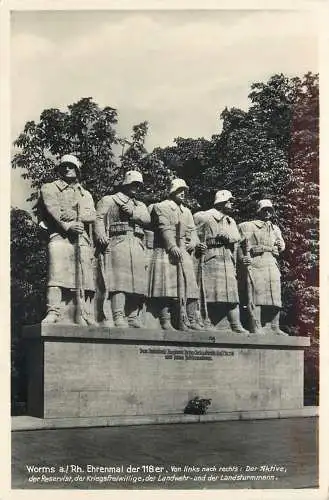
(260, 249)
(124, 228)
(216, 243)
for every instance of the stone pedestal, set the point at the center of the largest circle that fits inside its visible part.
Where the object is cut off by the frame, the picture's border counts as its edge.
(79, 371)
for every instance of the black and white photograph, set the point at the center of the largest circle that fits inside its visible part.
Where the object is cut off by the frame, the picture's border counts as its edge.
(164, 249)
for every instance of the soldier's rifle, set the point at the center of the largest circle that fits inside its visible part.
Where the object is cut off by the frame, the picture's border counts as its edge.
(79, 292)
(203, 299)
(102, 278)
(254, 322)
(181, 284)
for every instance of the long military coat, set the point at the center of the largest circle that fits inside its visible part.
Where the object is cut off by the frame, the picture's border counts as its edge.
(219, 260)
(64, 203)
(264, 270)
(162, 271)
(123, 263)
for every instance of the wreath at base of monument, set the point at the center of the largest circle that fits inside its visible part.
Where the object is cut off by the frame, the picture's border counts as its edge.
(197, 406)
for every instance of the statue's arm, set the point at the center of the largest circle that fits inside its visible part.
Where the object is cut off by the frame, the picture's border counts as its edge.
(244, 242)
(88, 212)
(279, 243)
(141, 215)
(234, 233)
(235, 239)
(282, 242)
(193, 231)
(49, 194)
(102, 208)
(200, 222)
(165, 227)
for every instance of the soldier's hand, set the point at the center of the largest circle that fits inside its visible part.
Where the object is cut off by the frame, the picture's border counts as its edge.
(275, 251)
(127, 210)
(68, 215)
(246, 260)
(201, 247)
(103, 240)
(76, 227)
(190, 247)
(175, 253)
(279, 245)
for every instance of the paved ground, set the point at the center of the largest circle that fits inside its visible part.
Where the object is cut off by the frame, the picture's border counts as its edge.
(287, 443)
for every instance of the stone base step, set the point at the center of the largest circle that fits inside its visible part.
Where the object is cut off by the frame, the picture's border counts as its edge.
(27, 423)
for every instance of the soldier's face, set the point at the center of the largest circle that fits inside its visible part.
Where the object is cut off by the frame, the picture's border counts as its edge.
(133, 189)
(266, 214)
(228, 206)
(179, 196)
(69, 172)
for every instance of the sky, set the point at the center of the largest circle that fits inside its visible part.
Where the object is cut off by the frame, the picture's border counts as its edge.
(176, 69)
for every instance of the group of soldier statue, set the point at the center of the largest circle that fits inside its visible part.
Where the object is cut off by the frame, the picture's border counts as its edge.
(160, 257)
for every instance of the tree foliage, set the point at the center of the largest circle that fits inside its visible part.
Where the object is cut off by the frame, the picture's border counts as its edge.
(28, 290)
(189, 158)
(156, 176)
(86, 130)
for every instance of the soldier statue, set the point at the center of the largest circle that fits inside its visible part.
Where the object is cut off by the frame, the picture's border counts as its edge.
(119, 230)
(262, 244)
(68, 213)
(175, 239)
(221, 235)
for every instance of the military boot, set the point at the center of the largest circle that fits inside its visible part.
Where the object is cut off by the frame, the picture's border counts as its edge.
(275, 325)
(90, 320)
(207, 325)
(51, 317)
(133, 321)
(118, 305)
(233, 316)
(255, 321)
(118, 319)
(88, 313)
(54, 297)
(199, 319)
(165, 319)
(133, 306)
(192, 315)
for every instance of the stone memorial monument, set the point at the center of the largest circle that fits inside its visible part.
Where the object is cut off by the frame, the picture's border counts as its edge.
(262, 245)
(221, 235)
(119, 229)
(83, 373)
(171, 273)
(68, 213)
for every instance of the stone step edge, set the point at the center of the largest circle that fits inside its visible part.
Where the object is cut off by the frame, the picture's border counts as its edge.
(24, 423)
